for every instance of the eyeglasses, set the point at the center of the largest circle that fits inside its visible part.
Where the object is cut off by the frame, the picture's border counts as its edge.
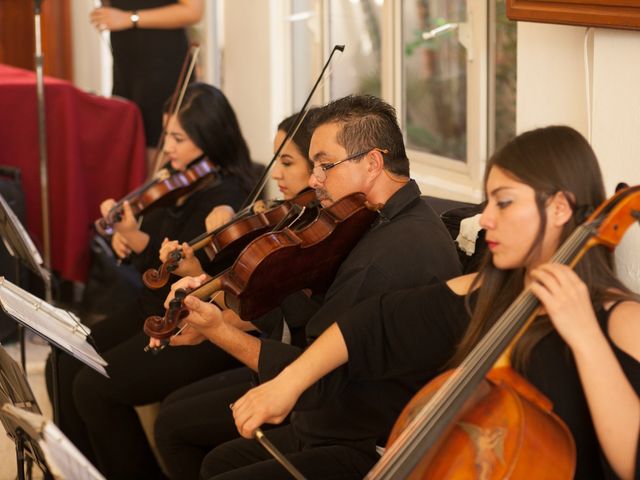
(320, 170)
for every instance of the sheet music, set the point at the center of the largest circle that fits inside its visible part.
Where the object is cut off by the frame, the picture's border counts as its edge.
(56, 325)
(63, 460)
(14, 387)
(9, 220)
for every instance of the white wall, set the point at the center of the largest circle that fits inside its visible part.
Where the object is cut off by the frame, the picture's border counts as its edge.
(247, 69)
(91, 51)
(552, 89)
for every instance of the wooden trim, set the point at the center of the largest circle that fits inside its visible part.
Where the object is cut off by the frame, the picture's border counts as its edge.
(56, 39)
(623, 14)
(17, 42)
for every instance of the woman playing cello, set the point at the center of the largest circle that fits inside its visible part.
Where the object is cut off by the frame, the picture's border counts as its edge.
(205, 125)
(583, 353)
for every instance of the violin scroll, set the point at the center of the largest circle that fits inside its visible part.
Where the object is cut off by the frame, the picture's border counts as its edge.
(163, 327)
(155, 279)
(612, 219)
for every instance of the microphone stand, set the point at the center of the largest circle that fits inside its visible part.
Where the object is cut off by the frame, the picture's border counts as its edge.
(42, 140)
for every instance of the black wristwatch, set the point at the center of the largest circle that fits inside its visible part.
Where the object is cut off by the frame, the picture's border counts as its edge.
(134, 18)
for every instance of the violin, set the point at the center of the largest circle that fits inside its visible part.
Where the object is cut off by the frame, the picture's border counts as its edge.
(279, 263)
(163, 189)
(481, 421)
(228, 240)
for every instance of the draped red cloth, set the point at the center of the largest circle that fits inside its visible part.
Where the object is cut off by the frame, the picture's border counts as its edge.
(95, 148)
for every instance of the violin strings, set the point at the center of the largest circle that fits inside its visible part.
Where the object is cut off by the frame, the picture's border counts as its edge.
(505, 328)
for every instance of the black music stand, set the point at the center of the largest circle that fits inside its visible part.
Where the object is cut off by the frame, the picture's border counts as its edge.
(36, 439)
(61, 328)
(20, 246)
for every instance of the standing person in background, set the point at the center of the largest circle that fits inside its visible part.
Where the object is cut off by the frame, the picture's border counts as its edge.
(149, 43)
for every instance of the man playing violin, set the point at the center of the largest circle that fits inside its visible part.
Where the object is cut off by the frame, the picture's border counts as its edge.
(357, 146)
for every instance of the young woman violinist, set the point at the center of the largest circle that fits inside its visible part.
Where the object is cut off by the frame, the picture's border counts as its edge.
(205, 126)
(291, 173)
(183, 445)
(583, 353)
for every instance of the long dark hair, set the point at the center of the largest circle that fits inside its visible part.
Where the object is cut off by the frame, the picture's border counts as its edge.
(302, 137)
(549, 160)
(209, 120)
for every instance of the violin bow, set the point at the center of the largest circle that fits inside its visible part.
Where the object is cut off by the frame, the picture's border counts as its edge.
(262, 181)
(277, 454)
(259, 435)
(188, 67)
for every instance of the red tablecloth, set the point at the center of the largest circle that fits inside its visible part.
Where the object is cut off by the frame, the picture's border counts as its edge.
(96, 150)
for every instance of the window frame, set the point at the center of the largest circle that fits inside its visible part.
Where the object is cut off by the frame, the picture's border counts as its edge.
(436, 175)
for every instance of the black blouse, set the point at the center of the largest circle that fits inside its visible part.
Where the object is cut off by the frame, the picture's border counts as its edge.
(183, 223)
(147, 46)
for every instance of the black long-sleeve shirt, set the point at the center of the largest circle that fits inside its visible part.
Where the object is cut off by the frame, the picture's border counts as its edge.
(408, 246)
(416, 331)
(182, 222)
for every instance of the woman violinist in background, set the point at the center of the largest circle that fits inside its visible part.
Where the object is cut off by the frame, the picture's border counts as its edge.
(204, 126)
(290, 172)
(182, 443)
(583, 353)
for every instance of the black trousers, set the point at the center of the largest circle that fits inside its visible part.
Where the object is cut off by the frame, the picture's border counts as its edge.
(243, 459)
(195, 419)
(124, 323)
(106, 405)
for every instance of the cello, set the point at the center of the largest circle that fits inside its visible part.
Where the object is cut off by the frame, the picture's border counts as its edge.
(278, 263)
(485, 421)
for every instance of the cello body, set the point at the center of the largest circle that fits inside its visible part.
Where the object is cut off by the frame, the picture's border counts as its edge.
(506, 430)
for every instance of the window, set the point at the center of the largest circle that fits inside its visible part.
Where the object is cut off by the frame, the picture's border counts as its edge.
(355, 24)
(448, 66)
(434, 77)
